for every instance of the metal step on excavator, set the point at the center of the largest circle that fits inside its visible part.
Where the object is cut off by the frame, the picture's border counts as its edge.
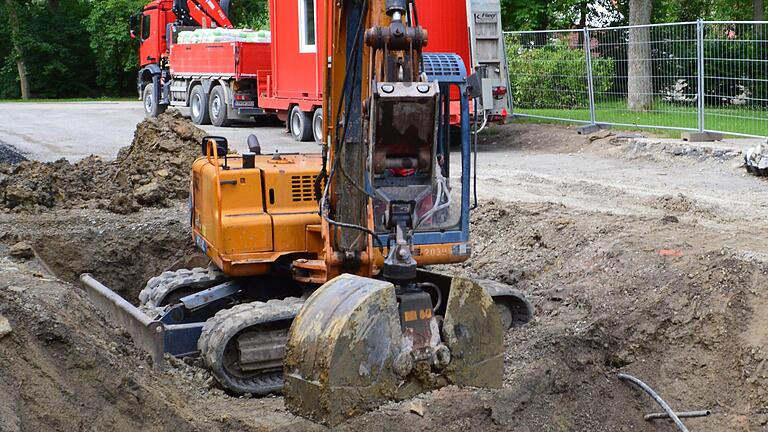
(318, 284)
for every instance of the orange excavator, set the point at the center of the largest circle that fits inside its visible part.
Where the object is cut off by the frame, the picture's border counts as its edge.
(318, 285)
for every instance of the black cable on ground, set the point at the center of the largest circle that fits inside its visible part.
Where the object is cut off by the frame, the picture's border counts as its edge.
(657, 398)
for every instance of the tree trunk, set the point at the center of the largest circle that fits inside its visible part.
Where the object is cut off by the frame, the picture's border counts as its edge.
(758, 10)
(584, 11)
(13, 23)
(640, 80)
(53, 5)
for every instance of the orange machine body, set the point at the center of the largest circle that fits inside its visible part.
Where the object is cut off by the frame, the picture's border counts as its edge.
(248, 219)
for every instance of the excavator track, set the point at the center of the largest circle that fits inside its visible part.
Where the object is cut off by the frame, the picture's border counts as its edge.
(244, 346)
(169, 286)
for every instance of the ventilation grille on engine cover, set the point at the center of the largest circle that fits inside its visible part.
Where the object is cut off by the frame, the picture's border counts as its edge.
(303, 188)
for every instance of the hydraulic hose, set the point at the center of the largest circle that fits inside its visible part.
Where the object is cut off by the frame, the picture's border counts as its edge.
(657, 398)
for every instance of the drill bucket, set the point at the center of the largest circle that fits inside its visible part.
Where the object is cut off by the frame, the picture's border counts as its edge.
(347, 352)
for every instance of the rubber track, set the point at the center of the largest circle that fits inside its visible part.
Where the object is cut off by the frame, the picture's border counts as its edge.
(159, 287)
(228, 323)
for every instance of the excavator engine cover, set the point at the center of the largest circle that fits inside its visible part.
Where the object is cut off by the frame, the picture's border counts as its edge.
(347, 352)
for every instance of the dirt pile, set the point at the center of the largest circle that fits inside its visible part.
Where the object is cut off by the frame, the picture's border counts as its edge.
(63, 369)
(670, 301)
(673, 303)
(9, 155)
(152, 171)
(155, 168)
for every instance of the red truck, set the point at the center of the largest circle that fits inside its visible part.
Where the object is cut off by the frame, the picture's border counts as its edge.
(223, 79)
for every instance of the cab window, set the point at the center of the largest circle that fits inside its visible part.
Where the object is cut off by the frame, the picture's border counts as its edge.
(145, 28)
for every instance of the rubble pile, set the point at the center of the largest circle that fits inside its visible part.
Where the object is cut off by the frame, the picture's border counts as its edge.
(152, 171)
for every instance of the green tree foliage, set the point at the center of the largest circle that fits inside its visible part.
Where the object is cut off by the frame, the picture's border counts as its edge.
(9, 86)
(544, 14)
(554, 75)
(252, 14)
(55, 48)
(115, 54)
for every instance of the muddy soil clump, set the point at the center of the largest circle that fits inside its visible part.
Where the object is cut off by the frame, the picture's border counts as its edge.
(152, 171)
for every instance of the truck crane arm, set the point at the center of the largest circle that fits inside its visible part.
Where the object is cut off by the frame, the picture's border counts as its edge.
(206, 13)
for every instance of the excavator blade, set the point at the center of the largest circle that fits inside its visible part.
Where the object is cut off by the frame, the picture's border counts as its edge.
(347, 352)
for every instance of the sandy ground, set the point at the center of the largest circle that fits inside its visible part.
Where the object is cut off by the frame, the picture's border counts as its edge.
(610, 174)
(50, 131)
(635, 259)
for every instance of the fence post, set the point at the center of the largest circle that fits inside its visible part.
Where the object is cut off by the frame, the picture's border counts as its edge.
(590, 83)
(700, 67)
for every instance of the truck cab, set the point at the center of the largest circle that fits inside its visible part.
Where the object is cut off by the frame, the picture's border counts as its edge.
(149, 26)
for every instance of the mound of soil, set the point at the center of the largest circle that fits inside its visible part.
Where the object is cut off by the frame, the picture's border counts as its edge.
(63, 369)
(675, 303)
(152, 171)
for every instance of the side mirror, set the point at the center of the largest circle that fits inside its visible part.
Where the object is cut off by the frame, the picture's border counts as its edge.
(133, 26)
(222, 146)
(253, 144)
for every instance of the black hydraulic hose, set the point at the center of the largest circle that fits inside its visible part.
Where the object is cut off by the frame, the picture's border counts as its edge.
(474, 168)
(684, 414)
(340, 142)
(347, 103)
(657, 398)
(438, 294)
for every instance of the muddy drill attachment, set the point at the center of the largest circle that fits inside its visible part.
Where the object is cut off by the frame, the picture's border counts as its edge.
(368, 336)
(357, 343)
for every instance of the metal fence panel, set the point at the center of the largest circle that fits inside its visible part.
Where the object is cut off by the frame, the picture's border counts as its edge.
(706, 76)
(735, 57)
(663, 92)
(548, 74)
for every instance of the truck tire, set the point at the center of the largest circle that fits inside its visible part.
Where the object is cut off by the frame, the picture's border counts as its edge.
(217, 107)
(300, 124)
(317, 125)
(151, 107)
(198, 106)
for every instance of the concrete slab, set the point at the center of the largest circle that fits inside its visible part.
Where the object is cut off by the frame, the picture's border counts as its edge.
(701, 136)
(727, 148)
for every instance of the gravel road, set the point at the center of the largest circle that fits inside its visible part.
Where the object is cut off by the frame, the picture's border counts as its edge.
(73, 130)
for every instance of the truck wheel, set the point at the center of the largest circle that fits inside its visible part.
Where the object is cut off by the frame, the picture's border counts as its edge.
(198, 106)
(151, 107)
(317, 125)
(300, 124)
(217, 107)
